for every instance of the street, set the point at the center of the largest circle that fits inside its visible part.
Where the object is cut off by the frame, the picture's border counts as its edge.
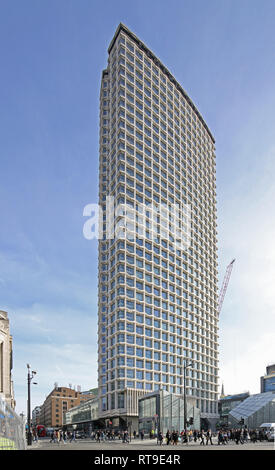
(147, 444)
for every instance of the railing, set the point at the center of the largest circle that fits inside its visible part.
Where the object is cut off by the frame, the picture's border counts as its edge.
(12, 432)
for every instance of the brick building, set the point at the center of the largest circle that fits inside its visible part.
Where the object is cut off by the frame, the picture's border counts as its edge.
(58, 402)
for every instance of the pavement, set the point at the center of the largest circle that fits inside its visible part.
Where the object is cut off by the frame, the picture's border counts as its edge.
(146, 444)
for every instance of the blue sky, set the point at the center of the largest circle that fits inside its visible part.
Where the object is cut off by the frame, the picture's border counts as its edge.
(52, 54)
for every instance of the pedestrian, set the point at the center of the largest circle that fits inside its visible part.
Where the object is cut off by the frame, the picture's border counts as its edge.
(202, 436)
(72, 436)
(168, 437)
(237, 436)
(185, 437)
(160, 438)
(176, 438)
(61, 436)
(209, 437)
(35, 437)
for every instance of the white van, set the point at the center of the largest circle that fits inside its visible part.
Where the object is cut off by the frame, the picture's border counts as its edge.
(269, 430)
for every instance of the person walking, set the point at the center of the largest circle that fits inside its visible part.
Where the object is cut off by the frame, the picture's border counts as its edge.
(202, 436)
(245, 435)
(160, 438)
(72, 436)
(35, 436)
(238, 436)
(176, 438)
(220, 438)
(185, 437)
(209, 437)
(53, 438)
(168, 437)
(61, 436)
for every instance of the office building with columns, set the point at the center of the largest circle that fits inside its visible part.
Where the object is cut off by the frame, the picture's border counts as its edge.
(157, 274)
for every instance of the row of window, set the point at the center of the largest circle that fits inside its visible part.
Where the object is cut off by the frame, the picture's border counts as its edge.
(132, 362)
(178, 163)
(177, 324)
(180, 316)
(167, 129)
(205, 165)
(159, 260)
(170, 345)
(162, 134)
(159, 377)
(170, 351)
(156, 74)
(164, 291)
(198, 343)
(175, 147)
(109, 402)
(159, 247)
(134, 267)
(144, 174)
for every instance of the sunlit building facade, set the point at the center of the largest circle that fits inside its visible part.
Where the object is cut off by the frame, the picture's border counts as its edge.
(6, 360)
(157, 302)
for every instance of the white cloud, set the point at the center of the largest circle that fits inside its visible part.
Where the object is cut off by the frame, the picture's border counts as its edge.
(69, 363)
(247, 322)
(56, 334)
(244, 362)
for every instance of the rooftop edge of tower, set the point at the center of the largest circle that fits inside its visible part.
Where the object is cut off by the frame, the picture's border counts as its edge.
(122, 27)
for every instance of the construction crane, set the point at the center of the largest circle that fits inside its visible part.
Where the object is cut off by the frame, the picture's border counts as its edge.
(225, 284)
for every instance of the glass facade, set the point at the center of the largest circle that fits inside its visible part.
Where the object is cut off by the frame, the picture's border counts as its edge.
(228, 403)
(157, 303)
(86, 412)
(269, 384)
(165, 411)
(255, 410)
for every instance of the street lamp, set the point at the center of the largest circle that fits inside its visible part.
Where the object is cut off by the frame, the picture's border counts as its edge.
(31, 374)
(185, 366)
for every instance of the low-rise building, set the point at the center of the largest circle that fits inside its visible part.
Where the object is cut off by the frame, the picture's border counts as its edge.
(83, 417)
(162, 410)
(228, 403)
(268, 380)
(57, 403)
(254, 411)
(6, 383)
